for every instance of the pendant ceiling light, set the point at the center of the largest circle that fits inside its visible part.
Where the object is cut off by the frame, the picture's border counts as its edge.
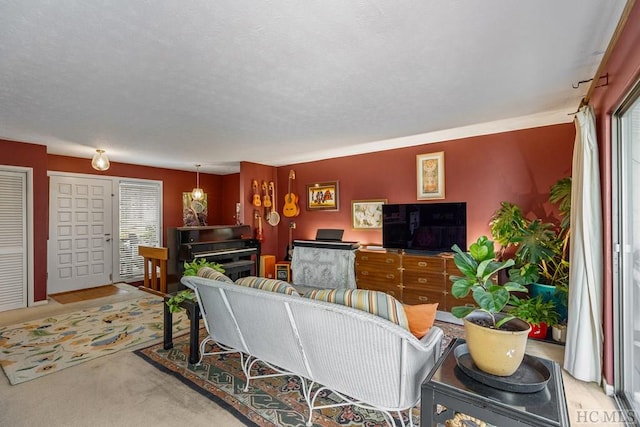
(100, 161)
(197, 193)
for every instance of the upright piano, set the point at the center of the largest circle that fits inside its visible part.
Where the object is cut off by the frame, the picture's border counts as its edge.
(233, 246)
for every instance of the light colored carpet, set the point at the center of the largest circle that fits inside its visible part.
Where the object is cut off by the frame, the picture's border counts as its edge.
(40, 347)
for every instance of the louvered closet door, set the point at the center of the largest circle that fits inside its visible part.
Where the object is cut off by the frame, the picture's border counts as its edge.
(79, 233)
(13, 240)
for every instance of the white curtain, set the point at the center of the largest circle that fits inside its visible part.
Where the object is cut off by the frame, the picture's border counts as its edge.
(583, 352)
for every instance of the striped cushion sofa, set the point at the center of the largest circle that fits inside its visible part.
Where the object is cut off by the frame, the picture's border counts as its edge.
(367, 359)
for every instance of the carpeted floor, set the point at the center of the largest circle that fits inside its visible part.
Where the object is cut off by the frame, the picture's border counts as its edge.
(276, 401)
(35, 348)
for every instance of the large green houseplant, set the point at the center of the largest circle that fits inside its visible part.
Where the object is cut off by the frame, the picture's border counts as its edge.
(539, 249)
(496, 340)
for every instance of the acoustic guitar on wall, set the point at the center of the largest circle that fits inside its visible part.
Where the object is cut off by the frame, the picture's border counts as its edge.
(256, 194)
(291, 207)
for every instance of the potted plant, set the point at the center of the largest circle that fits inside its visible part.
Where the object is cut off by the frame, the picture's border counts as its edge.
(190, 269)
(540, 314)
(540, 249)
(496, 340)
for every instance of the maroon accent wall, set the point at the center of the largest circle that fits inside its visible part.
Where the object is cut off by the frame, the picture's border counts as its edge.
(174, 183)
(34, 156)
(623, 68)
(518, 166)
(248, 172)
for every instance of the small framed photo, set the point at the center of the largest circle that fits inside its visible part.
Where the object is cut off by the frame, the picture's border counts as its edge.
(322, 196)
(367, 214)
(430, 170)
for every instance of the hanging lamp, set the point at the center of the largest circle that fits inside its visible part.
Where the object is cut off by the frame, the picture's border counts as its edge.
(100, 161)
(197, 193)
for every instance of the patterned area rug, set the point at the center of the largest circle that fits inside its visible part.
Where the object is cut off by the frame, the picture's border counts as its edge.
(276, 401)
(40, 347)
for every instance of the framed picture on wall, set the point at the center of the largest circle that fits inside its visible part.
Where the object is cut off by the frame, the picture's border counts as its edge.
(367, 214)
(322, 196)
(430, 174)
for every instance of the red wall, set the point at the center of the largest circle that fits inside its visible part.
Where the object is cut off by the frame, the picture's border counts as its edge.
(623, 68)
(174, 183)
(249, 172)
(518, 166)
(34, 156)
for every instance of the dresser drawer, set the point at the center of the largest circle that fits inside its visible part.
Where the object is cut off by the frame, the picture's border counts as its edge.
(424, 280)
(390, 277)
(422, 263)
(383, 260)
(423, 296)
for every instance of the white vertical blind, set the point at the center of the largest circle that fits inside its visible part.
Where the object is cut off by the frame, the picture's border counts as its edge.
(13, 240)
(140, 224)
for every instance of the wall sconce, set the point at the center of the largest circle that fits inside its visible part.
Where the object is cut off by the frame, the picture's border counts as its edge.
(197, 193)
(100, 161)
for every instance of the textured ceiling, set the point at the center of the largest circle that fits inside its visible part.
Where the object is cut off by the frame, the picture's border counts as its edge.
(173, 83)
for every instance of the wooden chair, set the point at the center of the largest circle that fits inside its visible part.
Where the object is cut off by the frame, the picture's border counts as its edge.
(155, 262)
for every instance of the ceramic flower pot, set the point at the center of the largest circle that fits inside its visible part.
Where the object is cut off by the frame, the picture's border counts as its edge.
(559, 333)
(497, 352)
(539, 331)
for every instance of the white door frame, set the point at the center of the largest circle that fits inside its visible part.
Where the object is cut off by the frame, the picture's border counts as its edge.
(115, 206)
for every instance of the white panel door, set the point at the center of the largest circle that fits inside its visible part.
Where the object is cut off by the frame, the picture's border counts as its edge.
(79, 233)
(13, 240)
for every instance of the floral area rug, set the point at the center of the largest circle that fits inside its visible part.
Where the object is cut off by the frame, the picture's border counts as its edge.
(32, 349)
(275, 401)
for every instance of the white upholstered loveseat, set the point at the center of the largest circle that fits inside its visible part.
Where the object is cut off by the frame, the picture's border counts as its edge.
(366, 359)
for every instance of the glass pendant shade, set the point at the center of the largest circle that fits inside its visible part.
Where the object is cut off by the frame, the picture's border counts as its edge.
(100, 161)
(197, 193)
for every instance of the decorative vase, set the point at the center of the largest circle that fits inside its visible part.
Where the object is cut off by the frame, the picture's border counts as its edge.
(495, 351)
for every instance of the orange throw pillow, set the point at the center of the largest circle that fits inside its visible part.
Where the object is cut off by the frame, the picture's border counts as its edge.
(421, 318)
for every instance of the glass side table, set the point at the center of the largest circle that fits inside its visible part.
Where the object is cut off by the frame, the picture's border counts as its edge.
(449, 386)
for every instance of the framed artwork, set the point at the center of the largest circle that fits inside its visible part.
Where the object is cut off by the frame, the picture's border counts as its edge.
(194, 213)
(430, 170)
(322, 196)
(367, 214)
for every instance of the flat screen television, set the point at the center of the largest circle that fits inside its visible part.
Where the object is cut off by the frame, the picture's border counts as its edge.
(424, 227)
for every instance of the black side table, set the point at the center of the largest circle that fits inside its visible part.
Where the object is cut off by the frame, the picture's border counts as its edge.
(449, 386)
(193, 314)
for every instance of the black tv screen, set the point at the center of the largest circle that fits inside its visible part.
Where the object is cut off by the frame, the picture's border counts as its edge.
(424, 227)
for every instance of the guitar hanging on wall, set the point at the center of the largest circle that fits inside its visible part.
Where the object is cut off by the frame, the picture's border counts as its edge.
(256, 194)
(291, 208)
(266, 201)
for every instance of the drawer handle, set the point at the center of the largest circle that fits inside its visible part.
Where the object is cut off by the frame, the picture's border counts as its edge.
(364, 273)
(365, 258)
(389, 260)
(422, 280)
(422, 298)
(422, 264)
(391, 276)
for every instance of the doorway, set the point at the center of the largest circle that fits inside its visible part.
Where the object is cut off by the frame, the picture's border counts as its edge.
(80, 222)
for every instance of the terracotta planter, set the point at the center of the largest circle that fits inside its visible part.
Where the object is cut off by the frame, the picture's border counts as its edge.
(539, 331)
(495, 351)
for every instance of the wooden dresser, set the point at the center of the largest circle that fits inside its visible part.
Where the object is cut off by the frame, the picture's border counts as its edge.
(411, 278)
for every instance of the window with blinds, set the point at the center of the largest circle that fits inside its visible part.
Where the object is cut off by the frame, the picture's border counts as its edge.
(140, 207)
